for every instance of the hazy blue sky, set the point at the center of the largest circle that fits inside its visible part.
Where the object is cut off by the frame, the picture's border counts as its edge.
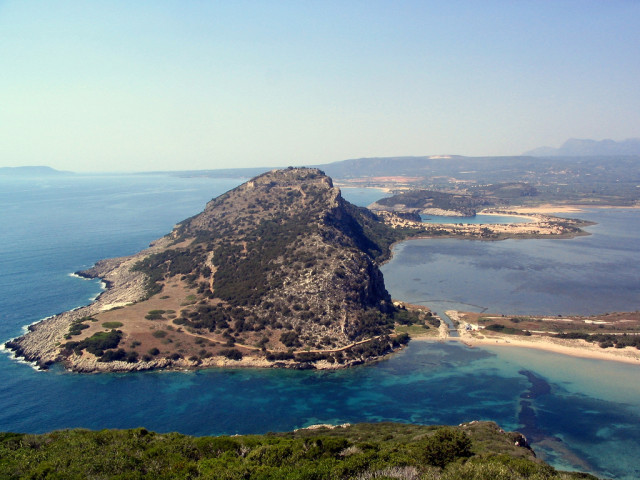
(122, 85)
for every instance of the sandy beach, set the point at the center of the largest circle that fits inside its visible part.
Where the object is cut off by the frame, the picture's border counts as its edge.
(575, 348)
(547, 208)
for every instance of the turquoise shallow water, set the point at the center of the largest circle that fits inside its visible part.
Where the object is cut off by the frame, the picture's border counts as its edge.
(574, 409)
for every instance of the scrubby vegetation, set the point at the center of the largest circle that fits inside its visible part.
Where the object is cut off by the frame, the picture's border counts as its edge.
(497, 327)
(77, 327)
(96, 344)
(479, 450)
(605, 340)
(112, 325)
(172, 262)
(421, 199)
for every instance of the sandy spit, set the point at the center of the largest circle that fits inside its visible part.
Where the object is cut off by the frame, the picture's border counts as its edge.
(574, 348)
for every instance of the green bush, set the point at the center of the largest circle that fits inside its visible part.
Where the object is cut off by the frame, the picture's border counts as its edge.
(605, 340)
(231, 353)
(446, 445)
(77, 327)
(290, 339)
(112, 325)
(113, 355)
(97, 343)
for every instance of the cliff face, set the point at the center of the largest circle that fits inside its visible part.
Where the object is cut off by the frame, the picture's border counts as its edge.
(279, 265)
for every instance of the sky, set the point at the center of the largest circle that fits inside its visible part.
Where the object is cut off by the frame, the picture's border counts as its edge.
(175, 85)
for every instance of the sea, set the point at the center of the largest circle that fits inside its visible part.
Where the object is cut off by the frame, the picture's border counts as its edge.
(579, 414)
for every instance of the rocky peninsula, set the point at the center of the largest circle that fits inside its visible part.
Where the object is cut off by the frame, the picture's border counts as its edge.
(278, 272)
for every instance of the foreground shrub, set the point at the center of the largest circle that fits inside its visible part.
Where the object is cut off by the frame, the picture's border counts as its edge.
(446, 445)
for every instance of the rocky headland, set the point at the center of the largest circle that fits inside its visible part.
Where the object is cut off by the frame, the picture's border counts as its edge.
(280, 271)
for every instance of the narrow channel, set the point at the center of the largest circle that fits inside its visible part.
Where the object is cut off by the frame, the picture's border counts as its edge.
(440, 306)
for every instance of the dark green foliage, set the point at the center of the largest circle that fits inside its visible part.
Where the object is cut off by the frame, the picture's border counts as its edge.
(111, 325)
(374, 348)
(132, 357)
(212, 317)
(274, 356)
(431, 320)
(495, 327)
(169, 262)
(242, 278)
(369, 323)
(113, 355)
(231, 353)
(406, 317)
(369, 234)
(359, 451)
(605, 340)
(119, 354)
(290, 339)
(446, 445)
(76, 328)
(154, 315)
(311, 356)
(97, 343)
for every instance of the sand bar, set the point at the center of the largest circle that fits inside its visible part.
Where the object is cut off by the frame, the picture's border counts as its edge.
(574, 348)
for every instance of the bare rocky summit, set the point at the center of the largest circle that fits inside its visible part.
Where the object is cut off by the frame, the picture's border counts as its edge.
(280, 271)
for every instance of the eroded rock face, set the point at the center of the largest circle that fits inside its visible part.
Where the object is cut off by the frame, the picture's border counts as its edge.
(282, 262)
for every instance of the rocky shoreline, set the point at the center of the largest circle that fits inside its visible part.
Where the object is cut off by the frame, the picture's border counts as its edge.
(40, 345)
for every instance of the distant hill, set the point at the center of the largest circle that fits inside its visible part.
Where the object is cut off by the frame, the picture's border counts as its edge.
(575, 147)
(35, 171)
(430, 203)
(386, 166)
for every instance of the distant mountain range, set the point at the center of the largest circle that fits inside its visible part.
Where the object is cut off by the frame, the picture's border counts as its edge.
(575, 147)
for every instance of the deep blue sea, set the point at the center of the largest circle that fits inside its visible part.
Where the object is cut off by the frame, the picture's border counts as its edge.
(579, 414)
